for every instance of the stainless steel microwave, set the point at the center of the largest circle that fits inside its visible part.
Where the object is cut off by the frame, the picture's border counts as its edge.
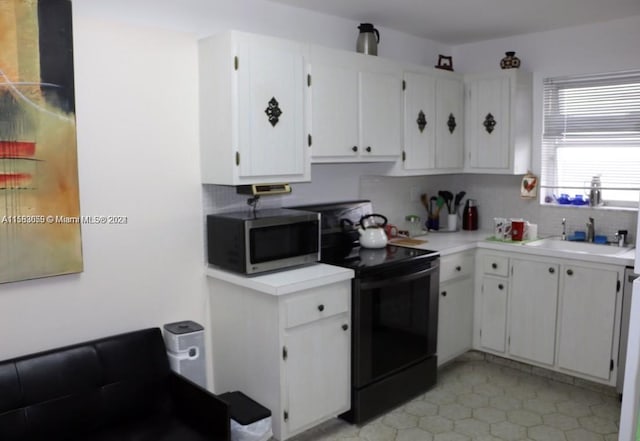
(250, 242)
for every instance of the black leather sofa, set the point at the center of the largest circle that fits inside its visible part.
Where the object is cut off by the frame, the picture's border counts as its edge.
(116, 388)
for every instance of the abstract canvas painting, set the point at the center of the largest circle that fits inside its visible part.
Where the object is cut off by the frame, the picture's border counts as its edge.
(39, 195)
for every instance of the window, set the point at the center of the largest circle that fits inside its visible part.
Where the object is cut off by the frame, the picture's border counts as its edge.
(592, 128)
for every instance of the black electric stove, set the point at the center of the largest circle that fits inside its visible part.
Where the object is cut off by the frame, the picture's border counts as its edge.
(394, 314)
(362, 260)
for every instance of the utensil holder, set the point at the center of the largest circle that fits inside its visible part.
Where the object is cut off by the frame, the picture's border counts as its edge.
(452, 222)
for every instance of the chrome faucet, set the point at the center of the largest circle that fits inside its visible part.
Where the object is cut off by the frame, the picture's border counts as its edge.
(621, 238)
(590, 230)
(564, 229)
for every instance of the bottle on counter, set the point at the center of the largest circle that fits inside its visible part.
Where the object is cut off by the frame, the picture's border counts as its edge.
(470, 215)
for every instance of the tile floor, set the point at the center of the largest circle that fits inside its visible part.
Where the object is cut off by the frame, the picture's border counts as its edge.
(480, 400)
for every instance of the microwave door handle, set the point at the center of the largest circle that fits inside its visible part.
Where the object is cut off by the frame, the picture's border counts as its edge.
(405, 278)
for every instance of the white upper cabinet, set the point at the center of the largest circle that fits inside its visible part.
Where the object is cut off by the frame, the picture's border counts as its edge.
(419, 122)
(498, 122)
(356, 107)
(335, 110)
(380, 113)
(449, 124)
(253, 116)
(433, 123)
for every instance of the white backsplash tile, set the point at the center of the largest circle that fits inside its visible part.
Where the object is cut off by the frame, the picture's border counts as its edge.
(396, 197)
(496, 196)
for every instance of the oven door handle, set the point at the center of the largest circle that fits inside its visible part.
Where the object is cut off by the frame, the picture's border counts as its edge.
(364, 284)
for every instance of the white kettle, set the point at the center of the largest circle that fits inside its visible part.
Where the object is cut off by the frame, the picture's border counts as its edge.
(372, 233)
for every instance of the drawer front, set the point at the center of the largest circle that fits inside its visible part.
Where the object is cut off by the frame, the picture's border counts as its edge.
(455, 265)
(495, 265)
(317, 304)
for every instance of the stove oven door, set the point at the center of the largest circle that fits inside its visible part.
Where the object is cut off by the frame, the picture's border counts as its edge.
(395, 319)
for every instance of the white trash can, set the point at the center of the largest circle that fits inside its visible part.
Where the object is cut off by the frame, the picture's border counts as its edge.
(250, 421)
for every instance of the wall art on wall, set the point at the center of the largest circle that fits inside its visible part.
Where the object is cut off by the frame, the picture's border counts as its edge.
(39, 195)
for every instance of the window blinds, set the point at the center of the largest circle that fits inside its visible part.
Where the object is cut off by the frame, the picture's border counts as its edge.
(592, 127)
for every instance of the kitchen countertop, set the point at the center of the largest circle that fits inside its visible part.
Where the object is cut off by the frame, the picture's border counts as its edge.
(454, 242)
(450, 242)
(285, 282)
(446, 243)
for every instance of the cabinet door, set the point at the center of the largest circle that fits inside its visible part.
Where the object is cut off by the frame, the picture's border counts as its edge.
(419, 121)
(493, 322)
(334, 113)
(489, 123)
(588, 299)
(533, 307)
(450, 124)
(455, 319)
(380, 114)
(270, 109)
(317, 371)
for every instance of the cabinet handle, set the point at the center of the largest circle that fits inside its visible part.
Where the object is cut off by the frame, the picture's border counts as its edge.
(354, 148)
(320, 308)
(444, 293)
(551, 270)
(458, 268)
(501, 286)
(345, 327)
(368, 149)
(494, 265)
(570, 272)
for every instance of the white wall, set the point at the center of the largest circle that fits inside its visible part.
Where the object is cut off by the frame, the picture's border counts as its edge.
(138, 157)
(137, 123)
(206, 17)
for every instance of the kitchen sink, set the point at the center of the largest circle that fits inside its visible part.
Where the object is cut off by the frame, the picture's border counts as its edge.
(557, 244)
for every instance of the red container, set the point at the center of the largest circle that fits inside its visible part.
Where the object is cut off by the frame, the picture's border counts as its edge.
(517, 229)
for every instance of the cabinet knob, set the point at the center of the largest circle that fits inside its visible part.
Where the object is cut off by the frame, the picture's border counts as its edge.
(552, 270)
(354, 148)
(501, 286)
(458, 268)
(570, 272)
(444, 293)
(368, 149)
(494, 265)
(345, 327)
(320, 308)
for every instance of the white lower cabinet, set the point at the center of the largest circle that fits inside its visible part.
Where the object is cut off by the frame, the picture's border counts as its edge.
(315, 353)
(491, 302)
(555, 313)
(455, 308)
(493, 313)
(589, 317)
(533, 309)
(291, 353)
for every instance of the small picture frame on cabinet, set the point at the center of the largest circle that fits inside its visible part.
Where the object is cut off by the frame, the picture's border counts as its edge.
(445, 62)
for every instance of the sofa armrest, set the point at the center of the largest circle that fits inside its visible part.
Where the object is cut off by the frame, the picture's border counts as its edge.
(200, 409)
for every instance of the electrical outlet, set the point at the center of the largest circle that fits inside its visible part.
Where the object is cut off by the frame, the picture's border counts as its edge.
(414, 194)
